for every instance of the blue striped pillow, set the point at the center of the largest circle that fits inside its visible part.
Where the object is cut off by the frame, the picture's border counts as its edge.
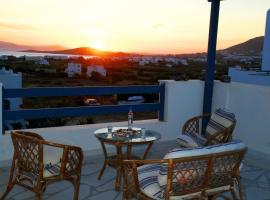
(219, 120)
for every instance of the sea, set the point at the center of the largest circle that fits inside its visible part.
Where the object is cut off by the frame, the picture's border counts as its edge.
(33, 54)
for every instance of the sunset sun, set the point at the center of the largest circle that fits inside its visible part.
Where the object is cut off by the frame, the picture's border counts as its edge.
(97, 44)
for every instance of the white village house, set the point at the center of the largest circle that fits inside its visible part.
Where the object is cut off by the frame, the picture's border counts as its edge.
(96, 68)
(73, 69)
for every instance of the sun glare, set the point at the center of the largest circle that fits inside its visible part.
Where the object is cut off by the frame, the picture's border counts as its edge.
(97, 44)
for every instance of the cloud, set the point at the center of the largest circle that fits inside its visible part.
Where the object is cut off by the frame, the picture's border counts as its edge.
(21, 27)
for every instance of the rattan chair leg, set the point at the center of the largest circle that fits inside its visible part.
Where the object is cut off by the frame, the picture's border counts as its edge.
(76, 189)
(102, 170)
(233, 193)
(38, 196)
(118, 179)
(240, 187)
(8, 189)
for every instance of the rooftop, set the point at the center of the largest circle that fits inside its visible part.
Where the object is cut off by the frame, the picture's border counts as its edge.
(255, 179)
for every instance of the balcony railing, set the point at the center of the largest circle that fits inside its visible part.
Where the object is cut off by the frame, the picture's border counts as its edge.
(83, 110)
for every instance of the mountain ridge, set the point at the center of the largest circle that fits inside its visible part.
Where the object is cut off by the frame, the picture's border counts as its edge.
(9, 46)
(249, 47)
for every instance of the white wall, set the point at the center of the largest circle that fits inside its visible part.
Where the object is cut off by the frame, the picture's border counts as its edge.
(250, 103)
(266, 45)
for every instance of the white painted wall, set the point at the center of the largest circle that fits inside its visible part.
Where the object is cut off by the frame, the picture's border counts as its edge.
(9, 79)
(248, 76)
(266, 45)
(250, 103)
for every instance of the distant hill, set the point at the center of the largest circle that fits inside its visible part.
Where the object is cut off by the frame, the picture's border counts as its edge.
(252, 46)
(8, 46)
(87, 51)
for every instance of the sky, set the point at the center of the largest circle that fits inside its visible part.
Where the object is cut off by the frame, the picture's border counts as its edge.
(145, 26)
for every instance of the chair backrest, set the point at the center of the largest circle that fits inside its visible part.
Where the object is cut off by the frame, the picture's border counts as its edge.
(194, 170)
(220, 126)
(28, 151)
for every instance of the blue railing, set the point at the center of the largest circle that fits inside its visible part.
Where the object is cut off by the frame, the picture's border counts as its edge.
(83, 110)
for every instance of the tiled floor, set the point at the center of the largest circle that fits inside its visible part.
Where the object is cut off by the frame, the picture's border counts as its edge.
(255, 179)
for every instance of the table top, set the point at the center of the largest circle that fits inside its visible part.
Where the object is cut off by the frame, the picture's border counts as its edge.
(150, 135)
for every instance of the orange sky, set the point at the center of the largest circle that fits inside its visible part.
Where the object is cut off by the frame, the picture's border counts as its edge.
(156, 26)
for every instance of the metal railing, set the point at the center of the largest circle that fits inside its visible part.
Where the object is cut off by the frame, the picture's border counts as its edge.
(82, 110)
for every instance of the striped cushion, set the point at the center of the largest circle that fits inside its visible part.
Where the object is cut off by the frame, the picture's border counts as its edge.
(148, 181)
(52, 160)
(219, 120)
(198, 151)
(51, 170)
(191, 140)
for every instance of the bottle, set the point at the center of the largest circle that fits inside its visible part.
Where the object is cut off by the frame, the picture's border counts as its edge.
(130, 118)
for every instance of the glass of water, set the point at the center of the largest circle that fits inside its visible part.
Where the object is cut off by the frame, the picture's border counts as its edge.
(143, 132)
(109, 131)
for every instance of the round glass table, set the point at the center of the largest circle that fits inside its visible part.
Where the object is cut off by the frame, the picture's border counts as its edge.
(122, 137)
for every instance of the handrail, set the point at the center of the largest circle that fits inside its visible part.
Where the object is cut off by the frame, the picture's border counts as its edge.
(82, 110)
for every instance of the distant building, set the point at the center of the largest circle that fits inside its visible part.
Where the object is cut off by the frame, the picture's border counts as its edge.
(42, 62)
(73, 69)
(56, 57)
(10, 79)
(33, 58)
(259, 77)
(96, 68)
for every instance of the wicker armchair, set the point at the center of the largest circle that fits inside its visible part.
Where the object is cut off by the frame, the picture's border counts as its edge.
(219, 129)
(194, 175)
(37, 162)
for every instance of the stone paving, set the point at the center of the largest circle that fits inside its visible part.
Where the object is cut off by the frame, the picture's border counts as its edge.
(255, 180)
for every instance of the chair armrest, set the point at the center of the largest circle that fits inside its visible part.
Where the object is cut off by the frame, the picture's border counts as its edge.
(131, 180)
(193, 124)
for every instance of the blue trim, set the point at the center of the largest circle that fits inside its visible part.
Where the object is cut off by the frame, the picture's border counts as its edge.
(3, 107)
(80, 91)
(85, 110)
(78, 111)
(211, 58)
(162, 102)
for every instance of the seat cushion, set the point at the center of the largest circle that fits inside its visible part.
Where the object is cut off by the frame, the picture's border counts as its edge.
(190, 140)
(148, 181)
(219, 120)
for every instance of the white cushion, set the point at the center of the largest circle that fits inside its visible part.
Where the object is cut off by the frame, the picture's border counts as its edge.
(186, 141)
(147, 175)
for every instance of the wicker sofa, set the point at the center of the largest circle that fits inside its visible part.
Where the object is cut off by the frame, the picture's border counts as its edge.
(186, 173)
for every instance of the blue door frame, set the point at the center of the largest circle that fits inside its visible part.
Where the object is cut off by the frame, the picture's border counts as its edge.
(211, 59)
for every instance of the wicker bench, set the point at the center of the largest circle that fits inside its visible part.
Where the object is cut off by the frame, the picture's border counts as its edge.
(187, 173)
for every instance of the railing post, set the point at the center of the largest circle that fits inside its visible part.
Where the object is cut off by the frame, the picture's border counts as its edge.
(2, 104)
(161, 101)
(211, 59)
